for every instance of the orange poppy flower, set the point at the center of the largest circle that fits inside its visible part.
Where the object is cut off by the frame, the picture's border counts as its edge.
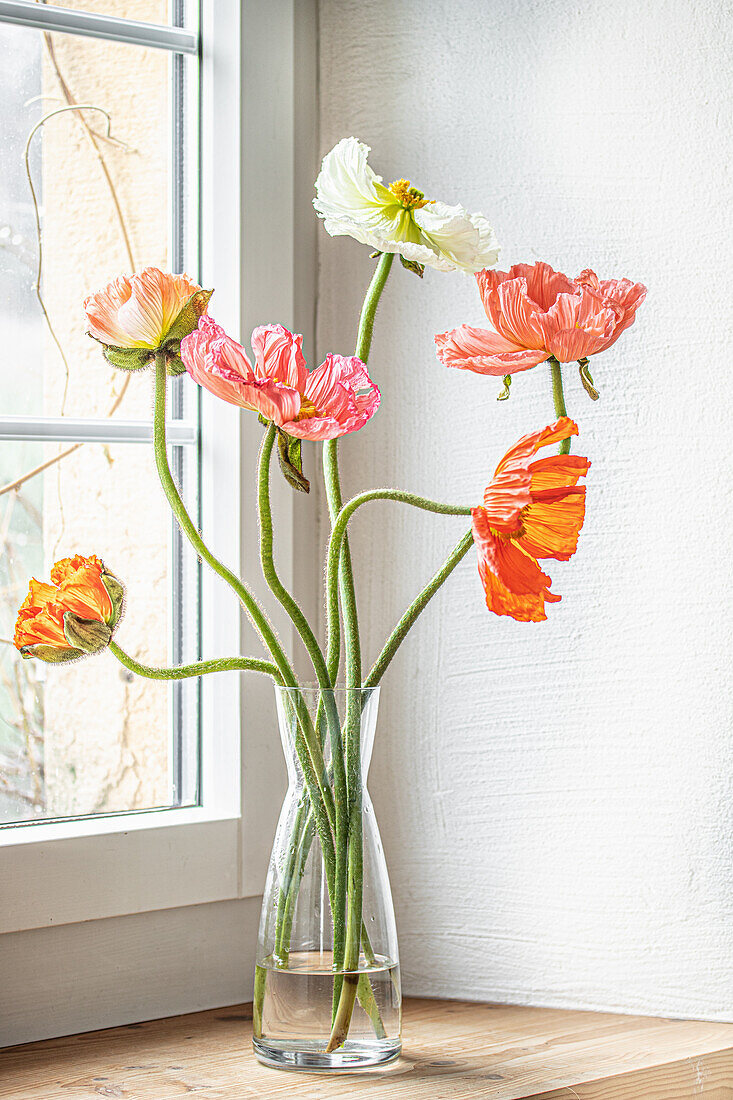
(75, 614)
(137, 315)
(533, 508)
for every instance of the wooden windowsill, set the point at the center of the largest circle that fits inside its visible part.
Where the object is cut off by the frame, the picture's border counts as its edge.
(452, 1049)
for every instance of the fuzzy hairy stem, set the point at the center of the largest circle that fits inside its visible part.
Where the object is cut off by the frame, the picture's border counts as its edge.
(558, 397)
(198, 668)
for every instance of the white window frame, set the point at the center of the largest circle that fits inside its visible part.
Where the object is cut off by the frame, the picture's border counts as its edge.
(86, 869)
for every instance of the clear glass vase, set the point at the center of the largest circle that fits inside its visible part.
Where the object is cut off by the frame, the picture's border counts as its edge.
(327, 981)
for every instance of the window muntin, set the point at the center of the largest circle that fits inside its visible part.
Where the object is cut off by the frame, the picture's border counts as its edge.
(90, 741)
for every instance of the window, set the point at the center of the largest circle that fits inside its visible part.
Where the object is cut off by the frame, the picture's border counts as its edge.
(86, 194)
(106, 776)
(79, 916)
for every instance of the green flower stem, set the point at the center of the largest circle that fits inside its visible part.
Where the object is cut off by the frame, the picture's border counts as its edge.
(338, 532)
(415, 609)
(335, 802)
(255, 612)
(330, 453)
(369, 309)
(306, 743)
(199, 668)
(303, 829)
(558, 397)
(344, 997)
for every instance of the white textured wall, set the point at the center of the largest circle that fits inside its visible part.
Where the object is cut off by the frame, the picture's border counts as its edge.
(554, 798)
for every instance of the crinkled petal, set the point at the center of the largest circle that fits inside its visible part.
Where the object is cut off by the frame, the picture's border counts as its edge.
(524, 449)
(137, 311)
(102, 311)
(333, 389)
(556, 471)
(279, 356)
(221, 366)
(543, 283)
(346, 186)
(464, 241)
(317, 428)
(484, 352)
(513, 581)
(515, 315)
(578, 325)
(551, 526)
(624, 295)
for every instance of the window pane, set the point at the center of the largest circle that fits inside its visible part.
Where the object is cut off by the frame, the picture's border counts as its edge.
(90, 737)
(106, 207)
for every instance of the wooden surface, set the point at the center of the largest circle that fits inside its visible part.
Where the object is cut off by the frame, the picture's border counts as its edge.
(453, 1050)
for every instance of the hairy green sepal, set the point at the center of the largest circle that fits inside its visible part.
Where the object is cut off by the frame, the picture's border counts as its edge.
(507, 380)
(51, 654)
(116, 592)
(413, 266)
(587, 380)
(87, 635)
(291, 461)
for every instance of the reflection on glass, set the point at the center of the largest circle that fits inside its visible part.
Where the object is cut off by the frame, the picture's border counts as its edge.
(89, 737)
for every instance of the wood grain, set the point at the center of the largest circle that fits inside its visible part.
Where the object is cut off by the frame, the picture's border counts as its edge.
(453, 1050)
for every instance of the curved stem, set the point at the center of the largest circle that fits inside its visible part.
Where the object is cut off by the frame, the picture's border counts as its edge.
(269, 569)
(336, 803)
(255, 612)
(369, 309)
(307, 745)
(558, 397)
(415, 609)
(198, 668)
(338, 533)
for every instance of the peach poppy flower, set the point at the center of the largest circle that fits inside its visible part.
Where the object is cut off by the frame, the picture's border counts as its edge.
(537, 314)
(533, 508)
(336, 398)
(137, 315)
(75, 614)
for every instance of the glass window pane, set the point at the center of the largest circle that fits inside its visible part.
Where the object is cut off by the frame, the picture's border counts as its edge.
(89, 737)
(107, 206)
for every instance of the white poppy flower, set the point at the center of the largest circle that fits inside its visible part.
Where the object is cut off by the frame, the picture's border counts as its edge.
(353, 201)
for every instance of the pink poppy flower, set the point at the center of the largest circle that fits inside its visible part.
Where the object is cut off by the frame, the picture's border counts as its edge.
(336, 398)
(537, 314)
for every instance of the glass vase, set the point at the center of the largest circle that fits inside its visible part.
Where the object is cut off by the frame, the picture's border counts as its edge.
(327, 981)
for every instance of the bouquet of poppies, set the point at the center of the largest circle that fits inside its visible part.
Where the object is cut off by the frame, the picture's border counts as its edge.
(532, 508)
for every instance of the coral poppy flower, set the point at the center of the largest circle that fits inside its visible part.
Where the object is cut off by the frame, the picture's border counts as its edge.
(75, 614)
(353, 201)
(533, 508)
(137, 315)
(538, 313)
(335, 398)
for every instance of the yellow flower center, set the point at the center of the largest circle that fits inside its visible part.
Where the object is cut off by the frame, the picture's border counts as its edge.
(512, 536)
(408, 196)
(307, 410)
